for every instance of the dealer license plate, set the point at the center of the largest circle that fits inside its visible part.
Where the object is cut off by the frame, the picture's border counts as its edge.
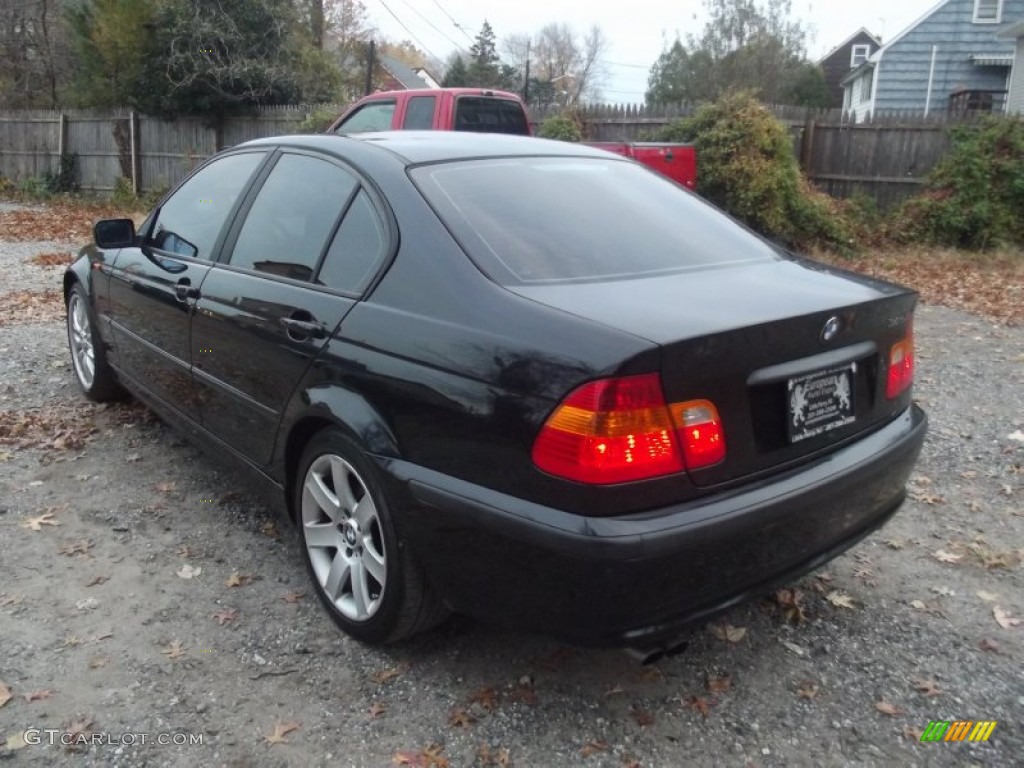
(820, 402)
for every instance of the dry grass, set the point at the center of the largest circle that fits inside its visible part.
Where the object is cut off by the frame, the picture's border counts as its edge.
(990, 284)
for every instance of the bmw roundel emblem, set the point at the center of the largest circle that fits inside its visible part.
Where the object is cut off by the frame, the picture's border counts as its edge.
(831, 329)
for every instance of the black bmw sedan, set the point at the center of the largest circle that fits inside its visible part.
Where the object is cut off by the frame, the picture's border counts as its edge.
(524, 380)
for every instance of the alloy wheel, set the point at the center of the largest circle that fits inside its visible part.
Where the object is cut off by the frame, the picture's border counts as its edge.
(342, 534)
(80, 337)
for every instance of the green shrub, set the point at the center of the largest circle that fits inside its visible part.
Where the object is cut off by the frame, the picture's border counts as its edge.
(974, 198)
(746, 165)
(319, 120)
(560, 127)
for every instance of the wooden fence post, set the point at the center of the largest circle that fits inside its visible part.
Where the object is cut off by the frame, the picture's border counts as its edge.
(807, 145)
(135, 143)
(62, 136)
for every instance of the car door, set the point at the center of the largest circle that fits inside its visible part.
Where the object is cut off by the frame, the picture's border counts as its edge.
(153, 286)
(282, 289)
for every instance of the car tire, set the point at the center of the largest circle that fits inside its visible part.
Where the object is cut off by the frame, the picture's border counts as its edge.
(363, 573)
(93, 373)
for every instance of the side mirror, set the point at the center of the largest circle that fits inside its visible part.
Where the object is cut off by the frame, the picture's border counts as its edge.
(114, 233)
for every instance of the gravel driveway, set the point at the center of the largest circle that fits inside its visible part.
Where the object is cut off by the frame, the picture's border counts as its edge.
(157, 603)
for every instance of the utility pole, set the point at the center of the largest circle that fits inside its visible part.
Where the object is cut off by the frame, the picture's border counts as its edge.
(369, 68)
(526, 81)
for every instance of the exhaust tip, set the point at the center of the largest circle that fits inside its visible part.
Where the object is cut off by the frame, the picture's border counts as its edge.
(654, 654)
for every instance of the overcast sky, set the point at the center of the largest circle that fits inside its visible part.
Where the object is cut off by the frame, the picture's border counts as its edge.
(637, 29)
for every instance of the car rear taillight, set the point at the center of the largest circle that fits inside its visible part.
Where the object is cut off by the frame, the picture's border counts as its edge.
(621, 430)
(901, 364)
(700, 432)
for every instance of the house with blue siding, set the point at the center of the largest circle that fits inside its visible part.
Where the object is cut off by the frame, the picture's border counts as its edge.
(952, 59)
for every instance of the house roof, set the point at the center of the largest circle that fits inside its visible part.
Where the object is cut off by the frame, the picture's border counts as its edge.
(856, 73)
(862, 30)
(401, 72)
(878, 54)
(1012, 31)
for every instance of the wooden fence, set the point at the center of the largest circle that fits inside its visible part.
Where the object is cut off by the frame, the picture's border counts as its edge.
(885, 159)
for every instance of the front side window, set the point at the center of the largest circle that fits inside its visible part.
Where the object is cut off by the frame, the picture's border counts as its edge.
(190, 220)
(542, 219)
(988, 11)
(375, 116)
(419, 113)
(294, 213)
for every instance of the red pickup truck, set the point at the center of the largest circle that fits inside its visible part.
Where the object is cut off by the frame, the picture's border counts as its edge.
(489, 111)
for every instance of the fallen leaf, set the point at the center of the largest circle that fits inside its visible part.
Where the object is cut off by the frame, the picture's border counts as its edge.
(888, 709)
(699, 704)
(946, 557)
(12, 600)
(918, 605)
(524, 692)
(78, 728)
(614, 691)
(98, 662)
(649, 674)
(429, 757)
(927, 687)
(5, 694)
(16, 741)
(225, 616)
(895, 543)
(717, 684)
(293, 597)
(642, 717)
(189, 571)
(377, 709)
(944, 591)
(460, 718)
(37, 523)
(382, 676)
(988, 645)
(912, 734)
(174, 650)
(37, 695)
(72, 641)
(97, 580)
(237, 579)
(592, 748)
(807, 690)
(1004, 619)
(794, 648)
(791, 602)
(80, 547)
(728, 632)
(280, 731)
(165, 487)
(269, 529)
(186, 551)
(485, 698)
(840, 599)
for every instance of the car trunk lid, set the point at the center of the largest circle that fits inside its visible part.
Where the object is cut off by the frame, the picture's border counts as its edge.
(792, 353)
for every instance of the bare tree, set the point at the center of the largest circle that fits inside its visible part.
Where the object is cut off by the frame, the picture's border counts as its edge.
(572, 64)
(35, 57)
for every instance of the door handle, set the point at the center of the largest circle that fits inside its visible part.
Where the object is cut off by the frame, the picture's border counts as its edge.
(300, 329)
(184, 290)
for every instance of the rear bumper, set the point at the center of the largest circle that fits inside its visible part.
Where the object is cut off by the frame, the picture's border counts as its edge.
(640, 580)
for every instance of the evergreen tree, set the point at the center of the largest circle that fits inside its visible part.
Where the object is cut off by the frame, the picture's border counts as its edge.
(457, 75)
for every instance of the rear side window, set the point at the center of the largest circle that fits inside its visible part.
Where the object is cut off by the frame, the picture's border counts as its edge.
(357, 249)
(419, 113)
(375, 116)
(484, 114)
(546, 219)
(286, 230)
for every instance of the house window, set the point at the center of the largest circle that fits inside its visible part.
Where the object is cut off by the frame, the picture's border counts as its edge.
(860, 55)
(988, 11)
(865, 86)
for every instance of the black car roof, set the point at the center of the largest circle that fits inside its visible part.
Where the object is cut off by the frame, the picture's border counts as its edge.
(414, 147)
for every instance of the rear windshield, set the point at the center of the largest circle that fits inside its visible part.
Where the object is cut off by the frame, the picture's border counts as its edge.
(545, 219)
(489, 115)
